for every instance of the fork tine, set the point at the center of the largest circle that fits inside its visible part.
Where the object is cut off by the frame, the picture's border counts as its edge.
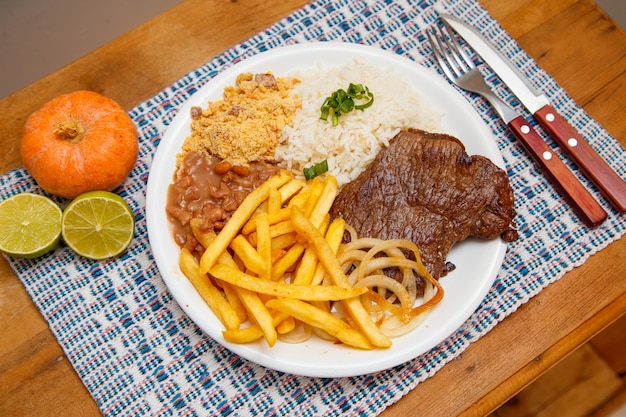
(451, 58)
(460, 54)
(442, 59)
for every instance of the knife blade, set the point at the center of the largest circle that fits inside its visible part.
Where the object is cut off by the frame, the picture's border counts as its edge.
(612, 186)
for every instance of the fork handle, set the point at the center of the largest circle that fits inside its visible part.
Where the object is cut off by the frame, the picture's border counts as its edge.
(583, 203)
(588, 160)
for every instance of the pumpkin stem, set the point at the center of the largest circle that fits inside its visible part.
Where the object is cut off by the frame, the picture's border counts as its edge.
(71, 130)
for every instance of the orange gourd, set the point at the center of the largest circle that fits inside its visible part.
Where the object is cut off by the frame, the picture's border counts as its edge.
(79, 142)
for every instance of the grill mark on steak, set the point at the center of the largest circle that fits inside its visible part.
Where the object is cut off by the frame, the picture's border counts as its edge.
(424, 187)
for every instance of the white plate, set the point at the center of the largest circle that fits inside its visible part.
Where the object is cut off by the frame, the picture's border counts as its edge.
(477, 261)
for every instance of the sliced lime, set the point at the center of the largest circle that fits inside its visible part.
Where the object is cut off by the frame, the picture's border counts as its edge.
(98, 225)
(30, 225)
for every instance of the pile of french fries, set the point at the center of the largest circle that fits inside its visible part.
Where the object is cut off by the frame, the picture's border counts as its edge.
(274, 269)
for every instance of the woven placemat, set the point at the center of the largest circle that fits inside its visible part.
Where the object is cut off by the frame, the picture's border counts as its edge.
(139, 354)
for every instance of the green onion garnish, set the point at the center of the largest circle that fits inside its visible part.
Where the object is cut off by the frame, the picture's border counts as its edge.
(342, 101)
(315, 170)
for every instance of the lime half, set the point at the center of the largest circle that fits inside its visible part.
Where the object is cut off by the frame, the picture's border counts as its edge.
(98, 225)
(30, 225)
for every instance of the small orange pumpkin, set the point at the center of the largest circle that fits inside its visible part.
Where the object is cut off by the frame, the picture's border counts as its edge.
(79, 142)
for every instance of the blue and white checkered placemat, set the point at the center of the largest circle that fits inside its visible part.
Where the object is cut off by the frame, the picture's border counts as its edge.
(139, 354)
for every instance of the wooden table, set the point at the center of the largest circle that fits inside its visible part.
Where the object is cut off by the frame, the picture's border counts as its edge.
(573, 40)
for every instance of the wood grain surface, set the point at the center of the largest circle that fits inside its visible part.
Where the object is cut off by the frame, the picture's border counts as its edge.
(573, 40)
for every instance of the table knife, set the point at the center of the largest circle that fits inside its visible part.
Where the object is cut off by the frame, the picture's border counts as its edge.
(588, 160)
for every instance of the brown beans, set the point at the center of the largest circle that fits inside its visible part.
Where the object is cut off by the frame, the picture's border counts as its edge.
(210, 189)
(244, 182)
(241, 170)
(211, 214)
(196, 112)
(220, 192)
(222, 168)
(229, 203)
(183, 216)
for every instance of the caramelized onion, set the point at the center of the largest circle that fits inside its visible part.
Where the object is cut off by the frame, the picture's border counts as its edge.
(394, 304)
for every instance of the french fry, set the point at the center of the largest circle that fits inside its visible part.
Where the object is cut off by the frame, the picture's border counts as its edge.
(253, 332)
(287, 261)
(226, 259)
(306, 268)
(230, 291)
(321, 319)
(248, 334)
(232, 296)
(308, 264)
(274, 218)
(284, 241)
(290, 189)
(277, 254)
(334, 234)
(328, 259)
(277, 229)
(281, 228)
(259, 314)
(204, 238)
(324, 253)
(286, 326)
(334, 237)
(209, 293)
(262, 208)
(363, 320)
(264, 242)
(274, 200)
(324, 202)
(277, 213)
(279, 289)
(300, 199)
(249, 256)
(316, 187)
(239, 218)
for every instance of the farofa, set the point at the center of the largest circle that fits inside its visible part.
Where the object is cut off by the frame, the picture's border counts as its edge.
(245, 125)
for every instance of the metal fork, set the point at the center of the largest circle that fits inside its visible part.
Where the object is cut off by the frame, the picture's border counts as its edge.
(462, 71)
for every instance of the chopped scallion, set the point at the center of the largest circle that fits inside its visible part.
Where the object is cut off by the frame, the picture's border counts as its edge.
(342, 101)
(315, 170)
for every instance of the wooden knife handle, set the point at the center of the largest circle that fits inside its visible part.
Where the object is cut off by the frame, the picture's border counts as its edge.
(588, 160)
(578, 197)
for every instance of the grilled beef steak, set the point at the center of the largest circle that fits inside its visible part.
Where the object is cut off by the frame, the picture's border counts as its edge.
(425, 188)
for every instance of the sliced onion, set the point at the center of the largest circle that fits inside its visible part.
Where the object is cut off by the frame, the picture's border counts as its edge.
(394, 327)
(393, 305)
(301, 333)
(383, 281)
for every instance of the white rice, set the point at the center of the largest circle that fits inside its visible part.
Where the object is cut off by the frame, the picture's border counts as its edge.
(351, 145)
